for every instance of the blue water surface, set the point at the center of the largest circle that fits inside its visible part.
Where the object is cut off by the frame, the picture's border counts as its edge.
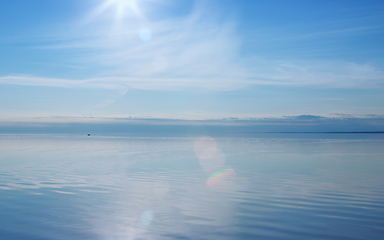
(231, 186)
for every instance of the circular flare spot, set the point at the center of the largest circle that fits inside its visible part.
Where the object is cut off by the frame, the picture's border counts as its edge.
(145, 220)
(145, 34)
(210, 157)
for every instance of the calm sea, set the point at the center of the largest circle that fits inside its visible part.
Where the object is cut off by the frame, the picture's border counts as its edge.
(233, 186)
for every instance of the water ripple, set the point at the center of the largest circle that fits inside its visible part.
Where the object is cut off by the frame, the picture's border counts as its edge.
(156, 188)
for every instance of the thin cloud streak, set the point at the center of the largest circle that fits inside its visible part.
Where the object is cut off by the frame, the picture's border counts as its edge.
(120, 84)
(323, 74)
(342, 32)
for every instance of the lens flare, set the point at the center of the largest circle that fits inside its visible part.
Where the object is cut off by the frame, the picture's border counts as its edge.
(122, 5)
(145, 221)
(219, 175)
(145, 34)
(212, 160)
(121, 8)
(205, 147)
(210, 156)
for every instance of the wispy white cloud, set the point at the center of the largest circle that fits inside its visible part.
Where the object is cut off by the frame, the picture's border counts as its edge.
(330, 74)
(320, 74)
(339, 32)
(193, 52)
(119, 83)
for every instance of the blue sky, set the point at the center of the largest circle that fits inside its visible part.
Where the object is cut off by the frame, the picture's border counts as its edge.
(186, 59)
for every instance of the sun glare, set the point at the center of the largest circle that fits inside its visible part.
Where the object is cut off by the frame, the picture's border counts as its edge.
(123, 7)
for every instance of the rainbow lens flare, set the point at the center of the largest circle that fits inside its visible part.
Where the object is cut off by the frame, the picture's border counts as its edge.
(219, 175)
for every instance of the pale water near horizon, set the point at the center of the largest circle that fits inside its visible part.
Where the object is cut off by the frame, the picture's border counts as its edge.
(271, 186)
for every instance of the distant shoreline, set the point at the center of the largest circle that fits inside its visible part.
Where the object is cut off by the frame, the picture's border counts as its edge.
(320, 132)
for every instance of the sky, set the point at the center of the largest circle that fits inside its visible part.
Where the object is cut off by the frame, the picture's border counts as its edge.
(191, 59)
